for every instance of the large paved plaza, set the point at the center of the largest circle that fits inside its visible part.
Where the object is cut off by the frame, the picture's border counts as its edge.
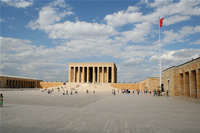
(31, 111)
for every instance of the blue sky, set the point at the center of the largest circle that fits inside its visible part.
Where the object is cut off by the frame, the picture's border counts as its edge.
(40, 38)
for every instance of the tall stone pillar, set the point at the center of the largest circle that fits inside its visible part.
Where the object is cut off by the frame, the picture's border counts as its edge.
(69, 74)
(78, 77)
(193, 91)
(83, 77)
(88, 75)
(107, 74)
(116, 75)
(186, 85)
(113, 77)
(13, 83)
(103, 74)
(198, 82)
(181, 88)
(98, 74)
(93, 74)
(74, 74)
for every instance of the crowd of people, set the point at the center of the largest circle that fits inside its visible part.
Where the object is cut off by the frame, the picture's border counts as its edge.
(156, 92)
(128, 91)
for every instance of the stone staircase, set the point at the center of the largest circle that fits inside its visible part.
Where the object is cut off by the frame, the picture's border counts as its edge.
(88, 86)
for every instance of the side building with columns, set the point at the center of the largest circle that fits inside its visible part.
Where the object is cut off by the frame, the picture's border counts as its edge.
(91, 72)
(183, 80)
(7, 81)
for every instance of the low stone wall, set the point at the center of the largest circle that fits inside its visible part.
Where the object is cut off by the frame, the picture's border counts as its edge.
(50, 84)
(125, 86)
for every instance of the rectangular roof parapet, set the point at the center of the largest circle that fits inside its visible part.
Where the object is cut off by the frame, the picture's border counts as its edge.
(92, 63)
(10, 76)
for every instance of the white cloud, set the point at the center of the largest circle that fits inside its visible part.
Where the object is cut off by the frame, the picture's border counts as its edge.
(175, 19)
(79, 29)
(197, 42)
(171, 36)
(159, 3)
(48, 15)
(67, 29)
(133, 62)
(182, 7)
(138, 34)
(18, 3)
(175, 57)
(131, 15)
(2, 20)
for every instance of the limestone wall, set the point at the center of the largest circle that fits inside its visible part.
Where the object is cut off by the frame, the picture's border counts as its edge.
(125, 86)
(142, 85)
(149, 83)
(153, 83)
(50, 84)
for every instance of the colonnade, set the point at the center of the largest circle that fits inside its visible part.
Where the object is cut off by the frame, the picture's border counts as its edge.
(92, 73)
(20, 84)
(189, 83)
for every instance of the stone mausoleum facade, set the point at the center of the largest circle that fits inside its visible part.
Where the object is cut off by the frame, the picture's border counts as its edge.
(183, 80)
(99, 72)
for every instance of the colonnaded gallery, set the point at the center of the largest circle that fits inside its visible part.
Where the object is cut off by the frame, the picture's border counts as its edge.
(103, 72)
(183, 80)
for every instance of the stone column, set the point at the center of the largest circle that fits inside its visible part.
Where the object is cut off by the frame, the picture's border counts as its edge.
(107, 74)
(102, 74)
(69, 74)
(93, 74)
(198, 82)
(181, 89)
(186, 84)
(19, 83)
(87, 74)
(78, 77)
(193, 92)
(113, 77)
(83, 77)
(98, 74)
(74, 79)
(13, 83)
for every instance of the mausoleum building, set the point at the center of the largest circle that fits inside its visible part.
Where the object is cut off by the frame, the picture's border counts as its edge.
(99, 72)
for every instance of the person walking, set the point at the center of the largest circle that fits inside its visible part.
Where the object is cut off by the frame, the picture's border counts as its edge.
(154, 93)
(1, 100)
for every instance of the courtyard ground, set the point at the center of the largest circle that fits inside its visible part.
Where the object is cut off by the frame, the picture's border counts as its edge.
(31, 111)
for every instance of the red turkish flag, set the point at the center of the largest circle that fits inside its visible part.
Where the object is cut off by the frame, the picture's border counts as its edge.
(161, 22)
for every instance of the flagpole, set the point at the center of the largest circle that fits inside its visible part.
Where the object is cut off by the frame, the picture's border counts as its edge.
(159, 52)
